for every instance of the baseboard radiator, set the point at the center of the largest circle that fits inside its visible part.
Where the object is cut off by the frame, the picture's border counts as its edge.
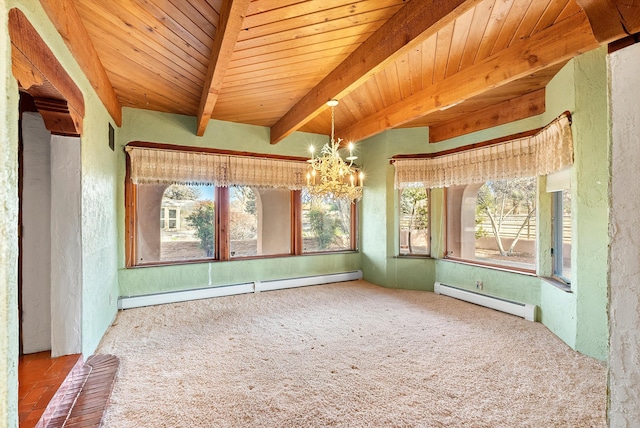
(524, 310)
(230, 290)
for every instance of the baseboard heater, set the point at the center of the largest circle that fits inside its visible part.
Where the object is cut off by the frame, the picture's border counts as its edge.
(524, 310)
(129, 302)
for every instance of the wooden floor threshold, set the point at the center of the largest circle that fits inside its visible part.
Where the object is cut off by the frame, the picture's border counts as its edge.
(83, 398)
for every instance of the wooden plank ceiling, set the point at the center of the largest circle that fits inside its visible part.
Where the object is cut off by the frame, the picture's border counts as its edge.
(157, 54)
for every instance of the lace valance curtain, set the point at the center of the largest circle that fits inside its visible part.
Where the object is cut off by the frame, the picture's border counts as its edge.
(549, 150)
(151, 165)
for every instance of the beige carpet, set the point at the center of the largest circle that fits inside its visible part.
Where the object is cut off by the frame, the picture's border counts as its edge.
(350, 355)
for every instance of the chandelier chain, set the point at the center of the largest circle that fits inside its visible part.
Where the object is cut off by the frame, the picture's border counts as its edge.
(333, 127)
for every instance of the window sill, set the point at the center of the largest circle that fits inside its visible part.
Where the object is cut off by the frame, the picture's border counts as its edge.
(510, 269)
(234, 259)
(561, 285)
(414, 256)
(324, 253)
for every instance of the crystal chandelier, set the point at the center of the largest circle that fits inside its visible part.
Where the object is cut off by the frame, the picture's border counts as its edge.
(329, 175)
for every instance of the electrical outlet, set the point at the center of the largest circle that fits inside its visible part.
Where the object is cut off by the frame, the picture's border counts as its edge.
(479, 285)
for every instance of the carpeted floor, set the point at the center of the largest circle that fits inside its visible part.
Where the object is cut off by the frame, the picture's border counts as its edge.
(347, 355)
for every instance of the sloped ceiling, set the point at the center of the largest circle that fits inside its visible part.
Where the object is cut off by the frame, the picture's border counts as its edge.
(275, 63)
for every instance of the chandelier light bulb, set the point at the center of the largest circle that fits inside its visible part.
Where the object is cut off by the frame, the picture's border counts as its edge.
(351, 157)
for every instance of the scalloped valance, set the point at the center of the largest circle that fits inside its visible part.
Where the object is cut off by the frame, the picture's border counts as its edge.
(549, 150)
(154, 165)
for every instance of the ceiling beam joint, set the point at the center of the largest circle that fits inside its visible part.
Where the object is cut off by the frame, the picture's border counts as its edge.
(551, 46)
(411, 25)
(612, 20)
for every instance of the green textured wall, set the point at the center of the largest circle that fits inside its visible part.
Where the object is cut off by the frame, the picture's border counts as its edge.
(591, 202)
(380, 240)
(141, 125)
(375, 211)
(507, 285)
(557, 308)
(148, 280)
(8, 231)
(99, 227)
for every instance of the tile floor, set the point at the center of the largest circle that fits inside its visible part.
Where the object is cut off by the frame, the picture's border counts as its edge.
(40, 377)
(65, 391)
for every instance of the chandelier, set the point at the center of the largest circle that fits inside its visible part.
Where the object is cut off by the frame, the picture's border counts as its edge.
(329, 175)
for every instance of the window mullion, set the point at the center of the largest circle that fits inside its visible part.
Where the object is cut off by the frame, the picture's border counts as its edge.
(354, 227)
(222, 223)
(296, 222)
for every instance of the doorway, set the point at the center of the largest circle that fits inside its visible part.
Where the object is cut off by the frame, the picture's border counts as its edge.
(49, 281)
(50, 268)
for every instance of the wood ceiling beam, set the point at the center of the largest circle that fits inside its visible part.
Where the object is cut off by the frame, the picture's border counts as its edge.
(38, 72)
(560, 42)
(531, 104)
(232, 16)
(612, 19)
(415, 22)
(65, 17)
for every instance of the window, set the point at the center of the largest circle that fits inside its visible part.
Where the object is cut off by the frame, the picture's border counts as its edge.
(414, 221)
(494, 222)
(558, 185)
(326, 224)
(505, 231)
(187, 222)
(259, 221)
(562, 235)
(177, 223)
(491, 191)
(173, 219)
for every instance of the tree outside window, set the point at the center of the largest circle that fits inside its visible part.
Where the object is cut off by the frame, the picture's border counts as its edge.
(326, 224)
(505, 221)
(414, 221)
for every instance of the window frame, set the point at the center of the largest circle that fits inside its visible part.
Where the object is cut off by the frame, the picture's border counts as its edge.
(273, 255)
(489, 263)
(222, 237)
(353, 238)
(557, 249)
(410, 174)
(408, 254)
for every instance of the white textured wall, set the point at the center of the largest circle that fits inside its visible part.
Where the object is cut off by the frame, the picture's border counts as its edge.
(36, 235)
(624, 256)
(66, 250)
